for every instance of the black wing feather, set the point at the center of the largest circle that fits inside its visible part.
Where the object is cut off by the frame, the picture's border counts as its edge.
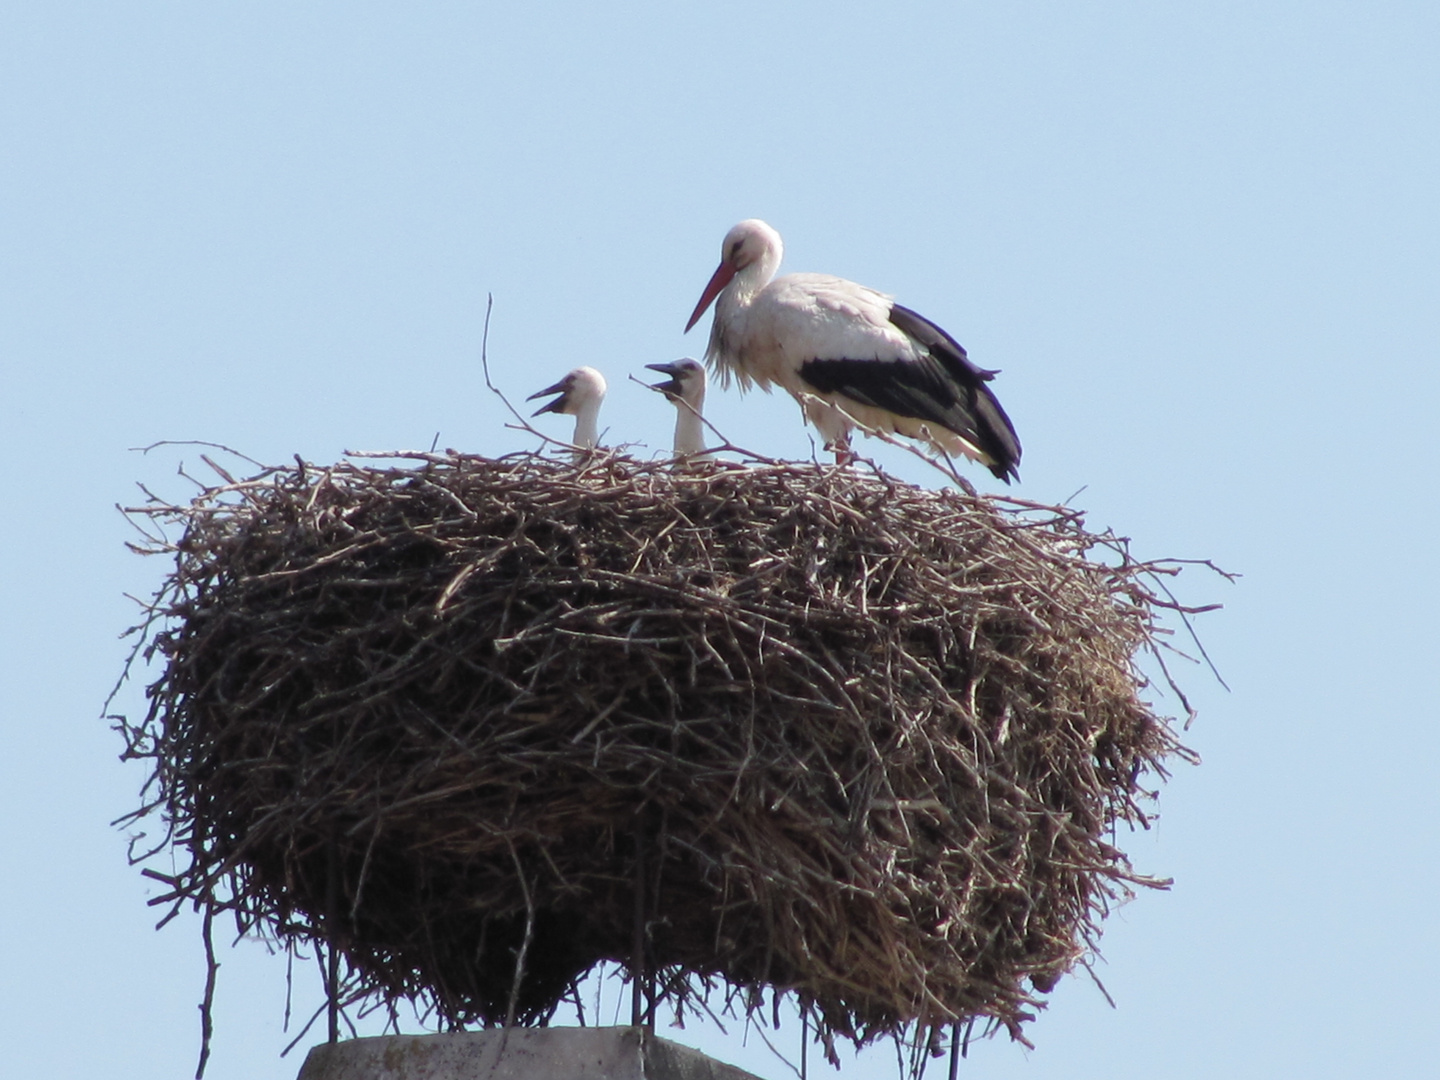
(942, 388)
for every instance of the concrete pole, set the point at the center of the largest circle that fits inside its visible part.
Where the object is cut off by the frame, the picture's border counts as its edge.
(556, 1053)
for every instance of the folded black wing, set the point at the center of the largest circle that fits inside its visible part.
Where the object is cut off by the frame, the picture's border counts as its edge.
(941, 387)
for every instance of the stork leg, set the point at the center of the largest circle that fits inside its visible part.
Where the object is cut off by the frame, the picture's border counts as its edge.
(841, 449)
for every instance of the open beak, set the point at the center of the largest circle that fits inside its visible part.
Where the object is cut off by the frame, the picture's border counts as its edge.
(555, 406)
(670, 388)
(723, 273)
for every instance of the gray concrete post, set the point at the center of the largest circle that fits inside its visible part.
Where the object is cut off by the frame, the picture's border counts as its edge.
(557, 1053)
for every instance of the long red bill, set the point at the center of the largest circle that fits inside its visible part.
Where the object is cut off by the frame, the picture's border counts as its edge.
(723, 273)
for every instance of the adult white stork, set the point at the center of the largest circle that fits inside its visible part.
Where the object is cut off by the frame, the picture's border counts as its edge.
(581, 392)
(686, 390)
(847, 352)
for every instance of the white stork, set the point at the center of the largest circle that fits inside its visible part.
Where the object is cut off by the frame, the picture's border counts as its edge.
(835, 345)
(686, 390)
(581, 393)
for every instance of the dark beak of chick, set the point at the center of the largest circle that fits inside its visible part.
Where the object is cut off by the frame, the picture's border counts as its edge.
(670, 388)
(555, 406)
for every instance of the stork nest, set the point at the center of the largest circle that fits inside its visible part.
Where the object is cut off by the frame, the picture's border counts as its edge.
(827, 733)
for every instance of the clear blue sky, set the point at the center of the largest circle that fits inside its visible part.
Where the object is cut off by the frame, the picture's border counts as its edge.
(1201, 240)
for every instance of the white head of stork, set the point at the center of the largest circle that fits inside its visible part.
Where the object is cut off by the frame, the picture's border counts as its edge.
(686, 390)
(581, 393)
(846, 352)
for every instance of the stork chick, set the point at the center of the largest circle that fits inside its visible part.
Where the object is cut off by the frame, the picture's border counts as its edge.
(581, 393)
(686, 391)
(846, 351)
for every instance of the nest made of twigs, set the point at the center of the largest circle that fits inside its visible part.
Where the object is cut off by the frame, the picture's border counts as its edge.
(841, 736)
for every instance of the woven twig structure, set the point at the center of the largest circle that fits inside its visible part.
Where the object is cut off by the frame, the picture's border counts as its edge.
(840, 736)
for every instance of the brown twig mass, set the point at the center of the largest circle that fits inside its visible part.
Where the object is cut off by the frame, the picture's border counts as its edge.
(869, 743)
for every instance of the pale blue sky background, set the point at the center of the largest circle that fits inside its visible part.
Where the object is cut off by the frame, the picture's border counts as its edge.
(1200, 240)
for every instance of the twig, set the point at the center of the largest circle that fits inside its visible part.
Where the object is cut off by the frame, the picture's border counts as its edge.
(520, 957)
(207, 1004)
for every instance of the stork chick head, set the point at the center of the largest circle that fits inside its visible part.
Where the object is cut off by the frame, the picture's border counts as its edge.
(577, 389)
(686, 382)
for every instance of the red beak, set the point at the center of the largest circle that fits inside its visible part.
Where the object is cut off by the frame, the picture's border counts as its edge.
(723, 273)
